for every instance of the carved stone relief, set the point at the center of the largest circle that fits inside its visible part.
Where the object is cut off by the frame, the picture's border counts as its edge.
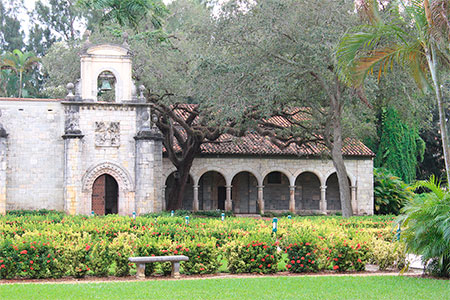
(72, 122)
(107, 134)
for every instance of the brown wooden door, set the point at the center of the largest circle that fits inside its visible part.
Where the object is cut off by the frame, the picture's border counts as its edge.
(98, 195)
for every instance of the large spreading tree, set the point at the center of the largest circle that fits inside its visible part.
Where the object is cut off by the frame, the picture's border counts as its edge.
(273, 57)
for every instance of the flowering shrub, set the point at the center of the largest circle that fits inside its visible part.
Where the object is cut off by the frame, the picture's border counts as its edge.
(302, 257)
(51, 246)
(203, 257)
(252, 257)
(346, 257)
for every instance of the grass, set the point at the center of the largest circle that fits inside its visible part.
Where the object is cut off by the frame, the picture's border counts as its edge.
(323, 287)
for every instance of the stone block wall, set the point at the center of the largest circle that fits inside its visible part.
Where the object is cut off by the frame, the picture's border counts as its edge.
(35, 153)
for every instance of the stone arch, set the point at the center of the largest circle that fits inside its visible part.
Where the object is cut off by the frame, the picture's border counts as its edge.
(277, 194)
(197, 175)
(258, 176)
(284, 172)
(188, 192)
(122, 177)
(332, 194)
(319, 175)
(212, 190)
(245, 192)
(307, 191)
(350, 176)
(126, 198)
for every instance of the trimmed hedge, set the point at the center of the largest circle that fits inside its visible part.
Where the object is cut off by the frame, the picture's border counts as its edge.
(54, 245)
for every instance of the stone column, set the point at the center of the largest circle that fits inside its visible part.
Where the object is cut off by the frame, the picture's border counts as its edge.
(163, 197)
(3, 166)
(72, 174)
(148, 165)
(261, 199)
(195, 205)
(323, 199)
(354, 202)
(292, 198)
(228, 201)
(73, 162)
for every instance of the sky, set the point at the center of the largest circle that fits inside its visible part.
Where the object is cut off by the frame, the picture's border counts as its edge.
(30, 6)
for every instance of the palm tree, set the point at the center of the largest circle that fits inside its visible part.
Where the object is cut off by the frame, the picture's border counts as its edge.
(426, 219)
(20, 63)
(416, 38)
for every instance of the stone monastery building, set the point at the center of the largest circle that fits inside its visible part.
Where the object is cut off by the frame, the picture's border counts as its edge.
(83, 154)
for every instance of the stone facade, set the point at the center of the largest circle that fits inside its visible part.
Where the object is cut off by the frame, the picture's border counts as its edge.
(53, 151)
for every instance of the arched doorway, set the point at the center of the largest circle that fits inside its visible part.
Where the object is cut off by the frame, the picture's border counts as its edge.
(245, 193)
(212, 191)
(105, 195)
(188, 191)
(307, 191)
(333, 196)
(276, 191)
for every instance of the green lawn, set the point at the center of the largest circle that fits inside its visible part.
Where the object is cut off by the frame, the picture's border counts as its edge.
(324, 287)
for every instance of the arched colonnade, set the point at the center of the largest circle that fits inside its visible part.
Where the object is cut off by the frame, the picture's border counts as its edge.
(248, 191)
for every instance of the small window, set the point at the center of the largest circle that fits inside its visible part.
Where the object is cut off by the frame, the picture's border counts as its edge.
(274, 178)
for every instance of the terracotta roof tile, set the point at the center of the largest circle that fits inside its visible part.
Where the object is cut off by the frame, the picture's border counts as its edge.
(255, 144)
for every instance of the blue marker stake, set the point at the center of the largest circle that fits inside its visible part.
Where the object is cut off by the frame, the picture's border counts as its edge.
(289, 217)
(187, 220)
(223, 216)
(134, 215)
(275, 225)
(92, 213)
(171, 213)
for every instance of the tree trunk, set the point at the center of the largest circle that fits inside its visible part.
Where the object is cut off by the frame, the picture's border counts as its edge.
(432, 64)
(334, 143)
(341, 171)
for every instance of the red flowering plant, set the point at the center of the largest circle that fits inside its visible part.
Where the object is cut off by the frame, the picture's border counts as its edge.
(27, 257)
(302, 250)
(302, 257)
(347, 256)
(252, 256)
(147, 245)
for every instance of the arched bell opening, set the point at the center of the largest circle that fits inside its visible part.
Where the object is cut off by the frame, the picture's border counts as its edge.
(105, 195)
(106, 84)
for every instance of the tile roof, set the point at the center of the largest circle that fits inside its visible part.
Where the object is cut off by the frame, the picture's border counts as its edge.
(255, 144)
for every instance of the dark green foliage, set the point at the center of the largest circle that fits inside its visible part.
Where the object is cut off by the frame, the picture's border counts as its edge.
(390, 192)
(400, 148)
(427, 221)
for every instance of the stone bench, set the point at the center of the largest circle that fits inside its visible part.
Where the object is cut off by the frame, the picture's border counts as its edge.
(174, 259)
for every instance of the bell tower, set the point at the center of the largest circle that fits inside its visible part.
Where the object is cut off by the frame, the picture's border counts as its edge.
(106, 74)
(109, 136)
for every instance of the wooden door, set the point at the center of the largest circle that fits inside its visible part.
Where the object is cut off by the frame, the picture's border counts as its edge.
(98, 195)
